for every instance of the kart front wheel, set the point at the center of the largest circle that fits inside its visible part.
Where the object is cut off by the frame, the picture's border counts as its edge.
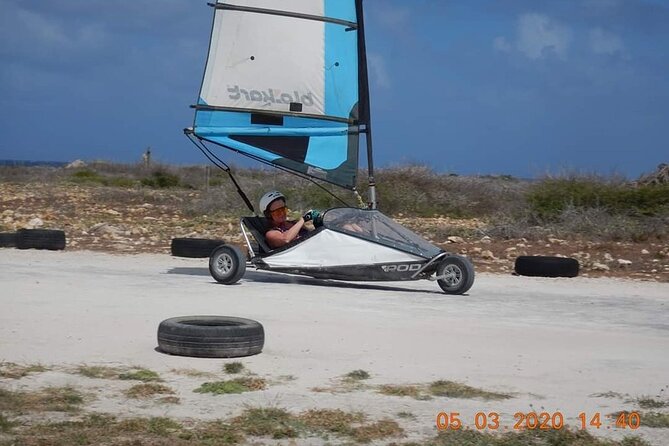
(455, 274)
(227, 264)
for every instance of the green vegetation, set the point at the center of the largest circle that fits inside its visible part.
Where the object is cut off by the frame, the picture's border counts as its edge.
(237, 385)
(651, 403)
(357, 375)
(87, 176)
(161, 179)
(599, 208)
(140, 375)
(550, 198)
(233, 367)
(654, 419)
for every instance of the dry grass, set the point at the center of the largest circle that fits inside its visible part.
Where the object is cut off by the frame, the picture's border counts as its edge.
(148, 390)
(563, 437)
(101, 372)
(50, 399)
(453, 389)
(192, 373)
(16, 371)
(414, 391)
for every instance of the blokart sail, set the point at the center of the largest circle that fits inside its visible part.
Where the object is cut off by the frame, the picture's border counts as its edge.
(286, 83)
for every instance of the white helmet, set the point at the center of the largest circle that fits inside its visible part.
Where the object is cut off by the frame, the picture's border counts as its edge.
(268, 198)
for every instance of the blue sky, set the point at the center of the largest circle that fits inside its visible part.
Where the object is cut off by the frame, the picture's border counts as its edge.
(520, 87)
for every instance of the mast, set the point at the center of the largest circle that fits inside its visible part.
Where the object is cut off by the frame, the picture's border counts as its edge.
(365, 109)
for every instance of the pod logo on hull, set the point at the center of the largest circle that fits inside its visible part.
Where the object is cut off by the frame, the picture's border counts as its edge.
(401, 268)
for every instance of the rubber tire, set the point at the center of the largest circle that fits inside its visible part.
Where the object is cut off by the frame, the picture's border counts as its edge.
(466, 269)
(235, 264)
(7, 239)
(211, 336)
(546, 266)
(40, 239)
(195, 248)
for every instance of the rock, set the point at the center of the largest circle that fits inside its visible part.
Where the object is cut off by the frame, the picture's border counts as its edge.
(608, 257)
(556, 241)
(600, 267)
(455, 239)
(76, 164)
(35, 223)
(623, 263)
(488, 255)
(511, 249)
(645, 252)
(112, 212)
(476, 250)
(486, 239)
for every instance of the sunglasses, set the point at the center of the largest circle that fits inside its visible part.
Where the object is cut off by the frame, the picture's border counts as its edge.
(278, 211)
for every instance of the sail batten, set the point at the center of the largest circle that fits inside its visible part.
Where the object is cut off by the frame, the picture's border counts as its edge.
(281, 84)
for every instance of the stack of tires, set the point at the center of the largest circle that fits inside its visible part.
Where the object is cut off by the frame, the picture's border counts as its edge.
(51, 239)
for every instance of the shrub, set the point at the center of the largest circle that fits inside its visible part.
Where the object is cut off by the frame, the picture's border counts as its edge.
(550, 198)
(161, 179)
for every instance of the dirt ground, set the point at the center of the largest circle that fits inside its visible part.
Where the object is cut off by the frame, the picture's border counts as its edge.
(591, 345)
(130, 221)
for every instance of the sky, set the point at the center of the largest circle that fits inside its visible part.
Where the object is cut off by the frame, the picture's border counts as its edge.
(518, 87)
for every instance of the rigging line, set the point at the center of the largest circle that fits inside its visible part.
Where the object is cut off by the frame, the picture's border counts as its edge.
(304, 177)
(205, 150)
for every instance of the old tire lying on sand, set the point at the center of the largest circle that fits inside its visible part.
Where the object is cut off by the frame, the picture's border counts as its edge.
(196, 248)
(40, 239)
(546, 266)
(7, 239)
(211, 336)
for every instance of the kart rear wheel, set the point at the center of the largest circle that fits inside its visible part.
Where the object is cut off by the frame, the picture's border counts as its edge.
(456, 274)
(227, 264)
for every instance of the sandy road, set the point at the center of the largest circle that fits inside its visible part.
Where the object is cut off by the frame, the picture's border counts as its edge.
(552, 343)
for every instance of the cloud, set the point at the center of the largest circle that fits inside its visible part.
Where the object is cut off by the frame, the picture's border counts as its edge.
(378, 72)
(537, 37)
(603, 42)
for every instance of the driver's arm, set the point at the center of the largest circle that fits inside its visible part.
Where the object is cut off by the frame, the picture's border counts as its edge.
(276, 239)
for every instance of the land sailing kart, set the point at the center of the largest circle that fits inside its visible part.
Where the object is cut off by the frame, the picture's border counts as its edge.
(286, 84)
(351, 244)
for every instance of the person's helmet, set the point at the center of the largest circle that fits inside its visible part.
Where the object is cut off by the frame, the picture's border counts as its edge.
(268, 198)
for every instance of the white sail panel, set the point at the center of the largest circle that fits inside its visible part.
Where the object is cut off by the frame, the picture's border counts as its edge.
(266, 62)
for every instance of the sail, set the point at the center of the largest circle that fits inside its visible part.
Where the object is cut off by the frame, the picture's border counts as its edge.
(282, 85)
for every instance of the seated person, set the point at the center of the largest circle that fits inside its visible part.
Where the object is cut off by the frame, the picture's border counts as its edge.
(282, 231)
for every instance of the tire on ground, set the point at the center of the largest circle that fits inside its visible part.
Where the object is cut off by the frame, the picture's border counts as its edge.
(7, 239)
(40, 239)
(227, 264)
(211, 336)
(197, 248)
(546, 266)
(459, 273)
